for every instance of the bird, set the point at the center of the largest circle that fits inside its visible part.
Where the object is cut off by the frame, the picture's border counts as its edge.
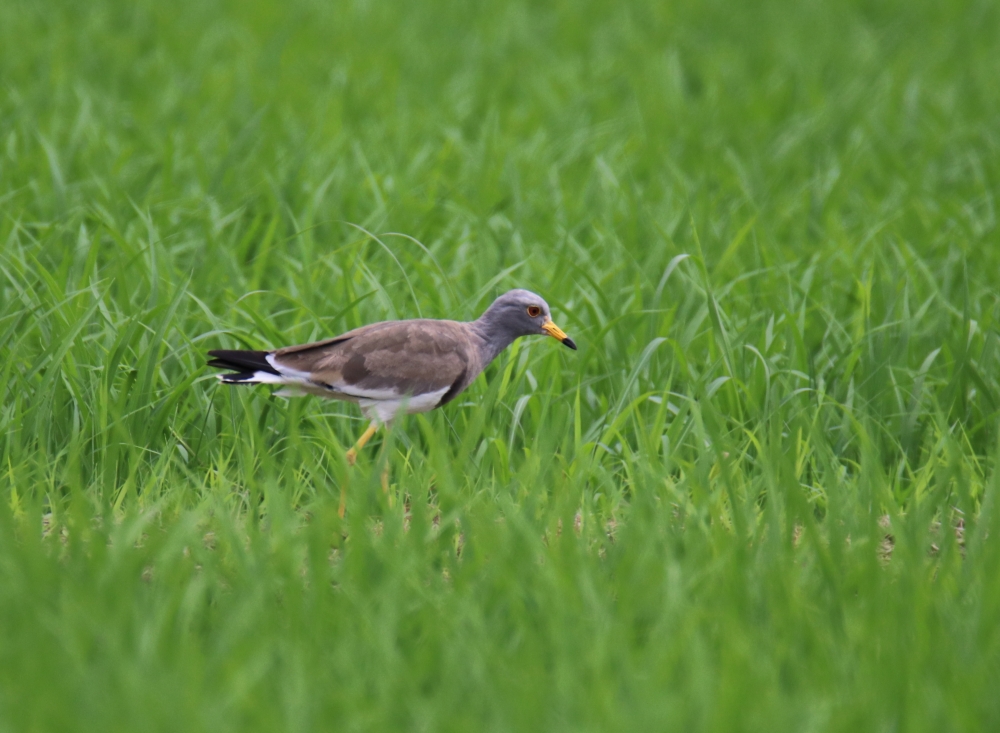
(394, 367)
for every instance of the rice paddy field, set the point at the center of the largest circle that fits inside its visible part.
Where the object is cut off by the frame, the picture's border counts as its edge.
(762, 496)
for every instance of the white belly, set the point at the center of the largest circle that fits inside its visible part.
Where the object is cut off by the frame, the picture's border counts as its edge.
(385, 410)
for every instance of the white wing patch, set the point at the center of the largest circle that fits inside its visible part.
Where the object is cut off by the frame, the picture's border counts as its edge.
(294, 375)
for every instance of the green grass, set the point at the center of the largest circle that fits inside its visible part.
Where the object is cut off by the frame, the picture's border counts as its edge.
(762, 496)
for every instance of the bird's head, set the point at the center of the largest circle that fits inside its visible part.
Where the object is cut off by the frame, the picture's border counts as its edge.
(523, 313)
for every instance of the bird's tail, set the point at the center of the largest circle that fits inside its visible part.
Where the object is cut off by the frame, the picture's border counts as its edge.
(246, 367)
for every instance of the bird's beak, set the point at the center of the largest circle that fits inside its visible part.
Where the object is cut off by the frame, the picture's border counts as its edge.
(557, 333)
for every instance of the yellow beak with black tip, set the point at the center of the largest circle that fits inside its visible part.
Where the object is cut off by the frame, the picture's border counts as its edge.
(557, 333)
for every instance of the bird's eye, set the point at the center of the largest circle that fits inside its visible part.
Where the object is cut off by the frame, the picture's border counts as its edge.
(534, 311)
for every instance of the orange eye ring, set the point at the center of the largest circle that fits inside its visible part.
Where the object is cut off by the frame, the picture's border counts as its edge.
(534, 311)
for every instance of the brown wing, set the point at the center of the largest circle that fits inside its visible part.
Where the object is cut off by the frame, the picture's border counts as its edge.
(401, 357)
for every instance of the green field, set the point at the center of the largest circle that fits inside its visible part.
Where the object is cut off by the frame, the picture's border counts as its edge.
(762, 496)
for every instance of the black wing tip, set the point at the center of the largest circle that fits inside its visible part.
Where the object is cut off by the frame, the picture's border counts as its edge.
(241, 361)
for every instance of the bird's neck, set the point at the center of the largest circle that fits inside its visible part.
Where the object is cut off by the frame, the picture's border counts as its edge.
(493, 335)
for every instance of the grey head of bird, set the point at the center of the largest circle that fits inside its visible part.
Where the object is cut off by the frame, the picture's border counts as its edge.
(514, 314)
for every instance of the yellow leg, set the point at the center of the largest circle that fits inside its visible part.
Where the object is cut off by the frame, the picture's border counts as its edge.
(385, 482)
(352, 457)
(352, 454)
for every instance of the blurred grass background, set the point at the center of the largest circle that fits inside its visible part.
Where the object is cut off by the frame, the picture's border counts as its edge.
(760, 497)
